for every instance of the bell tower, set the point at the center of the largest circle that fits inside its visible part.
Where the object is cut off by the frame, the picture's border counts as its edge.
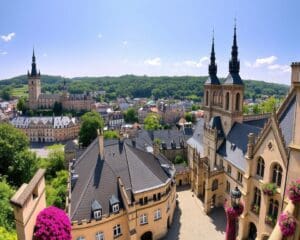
(233, 90)
(34, 85)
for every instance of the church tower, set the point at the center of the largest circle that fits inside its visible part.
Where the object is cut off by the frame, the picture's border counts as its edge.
(212, 87)
(34, 85)
(233, 90)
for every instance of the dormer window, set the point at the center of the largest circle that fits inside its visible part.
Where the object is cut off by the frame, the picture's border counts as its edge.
(114, 204)
(115, 208)
(96, 210)
(97, 214)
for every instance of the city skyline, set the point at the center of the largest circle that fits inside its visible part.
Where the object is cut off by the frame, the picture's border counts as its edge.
(99, 38)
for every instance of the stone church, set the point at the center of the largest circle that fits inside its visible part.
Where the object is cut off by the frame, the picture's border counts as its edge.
(229, 149)
(39, 100)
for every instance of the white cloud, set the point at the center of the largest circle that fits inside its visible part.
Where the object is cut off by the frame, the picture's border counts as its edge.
(3, 52)
(153, 61)
(282, 68)
(197, 64)
(264, 61)
(125, 43)
(99, 36)
(8, 37)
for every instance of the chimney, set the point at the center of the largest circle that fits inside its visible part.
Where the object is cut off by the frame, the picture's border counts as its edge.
(101, 143)
(250, 145)
(295, 81)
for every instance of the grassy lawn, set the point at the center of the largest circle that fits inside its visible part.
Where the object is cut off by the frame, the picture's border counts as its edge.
(20, 92)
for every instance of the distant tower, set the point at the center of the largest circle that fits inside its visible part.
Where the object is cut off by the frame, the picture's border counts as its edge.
(34, 84)
(233, 90)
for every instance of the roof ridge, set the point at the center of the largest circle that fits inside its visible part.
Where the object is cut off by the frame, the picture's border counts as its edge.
(126, 157)
(86, 151)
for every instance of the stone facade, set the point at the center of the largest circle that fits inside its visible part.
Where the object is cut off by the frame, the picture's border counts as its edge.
(48, 129)
(39, 100)
(250, 152)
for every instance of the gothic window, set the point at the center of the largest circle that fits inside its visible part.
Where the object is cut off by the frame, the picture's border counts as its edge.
(215, 185)
(257, 197)
(260, 168)
(227, 101)
(229, 169)
(237, 102)
(273, 208)
(227, 187)
(277, 174)
(206, 100)
(215, 98)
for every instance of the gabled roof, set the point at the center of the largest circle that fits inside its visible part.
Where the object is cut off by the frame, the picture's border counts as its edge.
(96, 205)
(98, 178)
(234, 147)
(233, 79)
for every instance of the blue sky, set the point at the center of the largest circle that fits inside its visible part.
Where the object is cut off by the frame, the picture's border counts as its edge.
(154, 37)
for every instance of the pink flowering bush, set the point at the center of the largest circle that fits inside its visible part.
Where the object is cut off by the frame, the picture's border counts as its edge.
(287, 224)
(294, 191)
(52, 224)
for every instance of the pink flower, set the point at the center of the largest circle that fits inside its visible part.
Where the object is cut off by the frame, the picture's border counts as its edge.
(52, 224)
(287, 224)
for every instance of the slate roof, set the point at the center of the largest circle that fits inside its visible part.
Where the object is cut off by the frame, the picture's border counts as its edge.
(287, 121)
(98, 178)
(258, 122)
(234, 147)
(212, 80)
(196, 141)
(233, 78)
(216, 123)
(49, 96)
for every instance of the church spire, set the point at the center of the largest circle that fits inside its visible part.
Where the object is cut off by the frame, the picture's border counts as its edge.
(33, 66)
(234, 63)
(212, 68)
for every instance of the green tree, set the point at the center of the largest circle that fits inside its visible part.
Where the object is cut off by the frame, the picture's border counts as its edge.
(6, 213)
(22, 168)
(14, 145)
(21, 105)
(6, 235)
(269, 105)
(256, 109)
(53, 163)
(131, 116)
(56, 190)
(91, 121)
(189, 117)
(152, 122)
(110, 134)
(5, 94)
(246, 109)
(57, 108)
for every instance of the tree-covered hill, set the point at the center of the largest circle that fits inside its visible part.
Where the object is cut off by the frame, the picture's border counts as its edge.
(144, 86)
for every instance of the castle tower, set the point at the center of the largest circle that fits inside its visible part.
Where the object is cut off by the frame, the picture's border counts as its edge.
(212, 87)
(233, 90)
(34, 85)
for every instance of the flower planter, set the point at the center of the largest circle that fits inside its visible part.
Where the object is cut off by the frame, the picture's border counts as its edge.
(269, 189)
(255, 209)
(287, 224)
(270, 220)
(294, 191)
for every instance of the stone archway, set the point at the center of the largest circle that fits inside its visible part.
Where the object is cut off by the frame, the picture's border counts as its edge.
(252, 231)
(147, 236)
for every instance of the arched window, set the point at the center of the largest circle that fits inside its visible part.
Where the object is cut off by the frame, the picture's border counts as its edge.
(206, 100)
(260, 168)
(215, 98)
(227, 101)
(277, 174)
(215, 185)
(220, 98)
(256, 200)
(273, 208)
(237, 101)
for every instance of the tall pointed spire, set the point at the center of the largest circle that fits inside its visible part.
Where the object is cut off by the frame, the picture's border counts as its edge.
(212, 68)
(234, 63)
(33, 66)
